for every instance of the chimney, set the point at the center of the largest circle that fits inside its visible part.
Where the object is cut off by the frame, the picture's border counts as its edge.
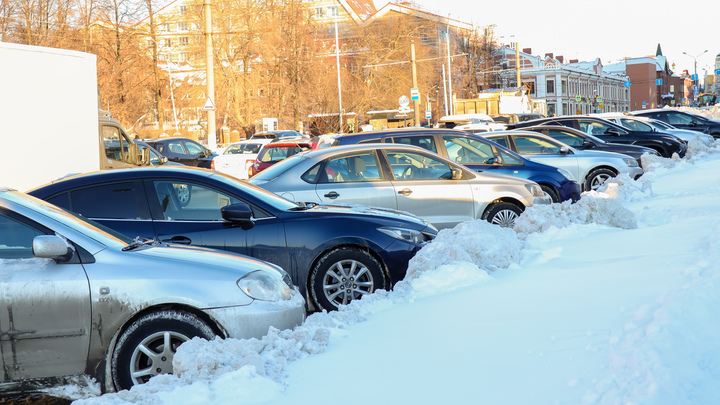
(549, 55)
(527, 51)
(574, 61)
(560, 59)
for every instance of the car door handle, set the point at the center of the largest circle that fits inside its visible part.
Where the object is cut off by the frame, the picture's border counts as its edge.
(406, 192)
(182, 240)
(332, 194)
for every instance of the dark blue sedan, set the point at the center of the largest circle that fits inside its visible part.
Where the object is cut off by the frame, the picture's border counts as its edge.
(477, 153)
(334, 254)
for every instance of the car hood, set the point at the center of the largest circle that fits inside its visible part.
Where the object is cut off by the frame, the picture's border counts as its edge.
(591, 153)
(364, 210)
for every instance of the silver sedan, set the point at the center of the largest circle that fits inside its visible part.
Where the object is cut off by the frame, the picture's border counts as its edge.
(406, 178)
(77, 299)
(590, 168)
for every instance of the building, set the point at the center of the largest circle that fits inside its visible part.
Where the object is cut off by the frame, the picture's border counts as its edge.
(653, 84)
(567, 88)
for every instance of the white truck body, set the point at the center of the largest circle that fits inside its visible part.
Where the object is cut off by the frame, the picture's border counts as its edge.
(50, 122)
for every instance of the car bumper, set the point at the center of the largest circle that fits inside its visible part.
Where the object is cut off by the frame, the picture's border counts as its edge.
(544, 200)
(635, 172)
(254, 320)
(570, 190)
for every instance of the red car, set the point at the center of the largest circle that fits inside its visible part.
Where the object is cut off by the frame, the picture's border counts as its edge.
(275, 152)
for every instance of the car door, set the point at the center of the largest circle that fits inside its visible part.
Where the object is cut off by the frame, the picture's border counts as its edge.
(175, 151)
(546, 151)
(45, 307)
(355, 178)
(423, 185)
(195, 153)
(190, 213)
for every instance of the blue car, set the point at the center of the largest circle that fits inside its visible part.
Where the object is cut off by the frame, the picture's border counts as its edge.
(477, 153)
(334, 254)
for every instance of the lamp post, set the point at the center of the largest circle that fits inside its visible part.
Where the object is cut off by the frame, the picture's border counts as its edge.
(695, 90)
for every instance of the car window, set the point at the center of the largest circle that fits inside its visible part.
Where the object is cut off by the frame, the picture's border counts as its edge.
(425, 141)
(501, 140)
(678, 119)
(530, 145)
(176, 147)
(245, 148)
(194, 149)
(417, 166)
(352, 167)
(565, 137)
(278, 153)
(593, 127)
(108, 201)
(189, 201)
(116, 146)
(468, 150)
(635, 125)
(509, 160)
(16, 238)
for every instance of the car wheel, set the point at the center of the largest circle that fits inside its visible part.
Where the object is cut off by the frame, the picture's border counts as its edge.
(343, 275)
(551, 192)
(597, 178)
(148, 346)
(183, 194)
(503, 214)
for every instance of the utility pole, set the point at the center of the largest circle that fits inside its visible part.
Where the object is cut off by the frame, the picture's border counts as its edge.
(416, 102)
(517, 64)
(337, 60)
(212, 140)
(447, 38)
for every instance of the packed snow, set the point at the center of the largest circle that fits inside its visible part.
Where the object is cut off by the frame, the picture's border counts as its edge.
(611, 300)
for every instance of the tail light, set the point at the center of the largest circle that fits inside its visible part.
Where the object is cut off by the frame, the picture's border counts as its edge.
(212, 164)
(251, 168)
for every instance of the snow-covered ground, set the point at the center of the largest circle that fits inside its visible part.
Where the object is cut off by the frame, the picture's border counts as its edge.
(612, 300)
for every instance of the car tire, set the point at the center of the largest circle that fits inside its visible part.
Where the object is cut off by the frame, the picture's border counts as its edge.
(550, 192)
(183, 194)
(344, 274)
(148, 334)
(597, 178)
(503, 214)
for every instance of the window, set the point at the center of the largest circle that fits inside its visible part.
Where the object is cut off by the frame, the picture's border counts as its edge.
(550, 86)
(168, 42)
(184, 41)
(352, 168)
(468, 150)
(175, 147)
(565, 137)
(116, 146)
(530, 145)
(417, 166)
(319, 12)
(334, 11)
(501, 140)
(194, 149)
(186, 201)
(16, 238)
(563, 87)
(426, 142)
(183, 9)
(115, 201)
(182, 26)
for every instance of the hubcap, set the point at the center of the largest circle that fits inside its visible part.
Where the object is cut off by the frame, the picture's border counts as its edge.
(599, 181)
(154, 355)
(505, 218)
(347, 280)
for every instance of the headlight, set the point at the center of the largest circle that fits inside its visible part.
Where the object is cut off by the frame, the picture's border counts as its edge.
(264, 286)
(567, 174)
(408, 235)
(630, 162)
(535, 190)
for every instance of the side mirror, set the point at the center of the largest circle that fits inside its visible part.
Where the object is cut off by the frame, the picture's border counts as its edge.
(564, 150)
(613, 132)
(457, 174)
(145, 159)
(51, 247)
(587, 145)
(240, 214)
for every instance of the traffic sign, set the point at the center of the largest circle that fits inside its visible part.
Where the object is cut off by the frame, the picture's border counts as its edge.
(404, 101)
(599, 100)
(415, 93)
(208, 104)
(428, 114)
(578, 98)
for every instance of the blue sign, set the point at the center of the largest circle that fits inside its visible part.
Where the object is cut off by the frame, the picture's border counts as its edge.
(694, 77)
(717, 72)
(627, 83)
(428, 114)
(658, 82)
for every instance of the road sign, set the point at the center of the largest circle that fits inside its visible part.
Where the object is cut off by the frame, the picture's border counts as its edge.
(428, 114)
(208, 104)
(404, 101)
(627, 83)
(717, 72)
(578, 98)
(415, 93)
(599, 100)
(658, 82)
(404, 109)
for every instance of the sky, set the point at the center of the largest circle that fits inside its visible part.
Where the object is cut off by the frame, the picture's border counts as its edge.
(610, 30)
(612, 300)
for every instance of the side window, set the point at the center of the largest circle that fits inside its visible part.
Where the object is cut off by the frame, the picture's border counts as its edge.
(193, 148)
(426, 142)
(508, 159)
(351, 168)
(417, 166)
(501, 140)
(593, 128)
(116, 146)
(530, 145)
(468, 150)
(188, 201)
(118, 200)
(176, 147)
(567, 138)
(673, 118)
(376, 140)
(16, 238)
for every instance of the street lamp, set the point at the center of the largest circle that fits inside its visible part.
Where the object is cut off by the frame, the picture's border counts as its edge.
(695, 60)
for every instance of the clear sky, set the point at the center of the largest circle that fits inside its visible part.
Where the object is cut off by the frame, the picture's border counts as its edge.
(610, 30)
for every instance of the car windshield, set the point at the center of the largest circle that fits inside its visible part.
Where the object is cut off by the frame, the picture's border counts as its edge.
(276, 153)
(243, 148)
(265, 196)
(277, 169)
(88, 228)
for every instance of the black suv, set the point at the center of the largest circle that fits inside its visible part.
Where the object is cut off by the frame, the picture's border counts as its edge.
(682, 120)
(662, 143)
(183, 150)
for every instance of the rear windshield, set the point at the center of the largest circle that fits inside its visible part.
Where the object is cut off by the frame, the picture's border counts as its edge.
(243, 148)
(278, 153)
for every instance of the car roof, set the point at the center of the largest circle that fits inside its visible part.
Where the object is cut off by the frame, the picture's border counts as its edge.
(287, 143)
(366, 146)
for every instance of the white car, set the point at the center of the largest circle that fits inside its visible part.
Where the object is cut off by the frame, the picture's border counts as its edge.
(589, 167)
(475, 123)
(239, 156)
(635, 123)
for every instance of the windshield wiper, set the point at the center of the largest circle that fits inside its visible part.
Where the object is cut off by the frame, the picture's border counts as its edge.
(139, 242)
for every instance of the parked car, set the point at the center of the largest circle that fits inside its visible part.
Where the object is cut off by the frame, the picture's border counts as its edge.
(77, 299)
(317, 246)
(591, 168)
(156, 158)
(280, 134)
(664, 144)
(474, 122)
(514, 118)
(238, 157)
(580, 140)
(476, 153)
(274, 152)
(183, 150)
(638, 123)
(683, 120)
(407, 178)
